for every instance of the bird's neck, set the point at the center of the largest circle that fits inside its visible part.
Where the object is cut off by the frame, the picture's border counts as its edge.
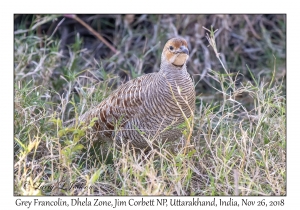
(174, 75)
(169, 69)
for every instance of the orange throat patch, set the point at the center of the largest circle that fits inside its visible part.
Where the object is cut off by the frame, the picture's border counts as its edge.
(180, 59)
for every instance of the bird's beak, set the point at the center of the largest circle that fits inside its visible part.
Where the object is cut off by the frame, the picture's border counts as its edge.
(183, 49)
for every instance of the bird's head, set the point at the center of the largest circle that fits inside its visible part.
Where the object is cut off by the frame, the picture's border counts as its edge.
(175, 52)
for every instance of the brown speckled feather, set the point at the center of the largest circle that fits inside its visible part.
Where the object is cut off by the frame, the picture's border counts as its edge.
(121, 105)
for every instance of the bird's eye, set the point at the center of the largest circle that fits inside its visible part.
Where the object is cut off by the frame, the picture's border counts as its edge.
(171, 48)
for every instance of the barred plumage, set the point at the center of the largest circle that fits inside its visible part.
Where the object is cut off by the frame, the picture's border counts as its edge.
(150, 106)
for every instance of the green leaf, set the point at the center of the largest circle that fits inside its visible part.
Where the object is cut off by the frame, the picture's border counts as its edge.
(22, 145)
(61, 133)
(190, 154)
(93, 121)
(57, 122)
(77, 147)
(95, 176)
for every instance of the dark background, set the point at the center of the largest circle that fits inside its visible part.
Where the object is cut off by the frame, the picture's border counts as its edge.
(245, 42)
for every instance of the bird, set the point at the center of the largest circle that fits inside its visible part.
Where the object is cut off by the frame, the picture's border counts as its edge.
(150, 107)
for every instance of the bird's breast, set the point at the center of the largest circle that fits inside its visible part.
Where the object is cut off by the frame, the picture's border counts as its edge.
(169, 96)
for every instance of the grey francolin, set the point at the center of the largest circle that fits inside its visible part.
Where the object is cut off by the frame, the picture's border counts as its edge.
(151, 107)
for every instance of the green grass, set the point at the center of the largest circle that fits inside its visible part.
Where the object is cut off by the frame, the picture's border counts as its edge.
(238, 144)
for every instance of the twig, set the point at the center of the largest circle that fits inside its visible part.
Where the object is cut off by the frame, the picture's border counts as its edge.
(60, 22)
(251, 27)
(93, 32)
(236, 181)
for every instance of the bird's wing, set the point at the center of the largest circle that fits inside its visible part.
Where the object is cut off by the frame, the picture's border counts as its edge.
(120, 106)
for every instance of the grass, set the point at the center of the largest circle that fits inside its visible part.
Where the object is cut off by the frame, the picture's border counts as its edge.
(238, 141)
